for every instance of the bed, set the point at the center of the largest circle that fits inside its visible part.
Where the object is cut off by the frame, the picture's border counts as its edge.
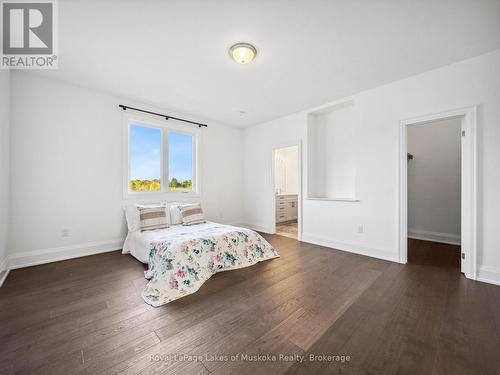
(181, 258)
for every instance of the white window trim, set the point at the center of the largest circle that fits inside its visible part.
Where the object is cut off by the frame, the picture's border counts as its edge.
(166, 126)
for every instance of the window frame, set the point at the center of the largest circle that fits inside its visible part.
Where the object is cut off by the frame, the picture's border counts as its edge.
(165, 127)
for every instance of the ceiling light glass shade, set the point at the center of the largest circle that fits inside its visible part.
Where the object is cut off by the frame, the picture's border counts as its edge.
(242, 53)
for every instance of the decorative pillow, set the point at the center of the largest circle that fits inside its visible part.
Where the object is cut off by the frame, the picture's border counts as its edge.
(132, 214)
(192, 214)
(153, 217)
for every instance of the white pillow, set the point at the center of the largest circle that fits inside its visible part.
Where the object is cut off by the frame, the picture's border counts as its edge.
(133, 217)
(175, 212)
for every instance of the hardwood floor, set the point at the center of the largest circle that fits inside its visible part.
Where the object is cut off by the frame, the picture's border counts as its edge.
(287, 229)
(86, 316)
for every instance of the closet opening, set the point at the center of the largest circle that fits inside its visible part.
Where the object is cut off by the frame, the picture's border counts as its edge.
(434, 193)
(438, 190)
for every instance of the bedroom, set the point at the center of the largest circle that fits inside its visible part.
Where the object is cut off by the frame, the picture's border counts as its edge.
(343, 82)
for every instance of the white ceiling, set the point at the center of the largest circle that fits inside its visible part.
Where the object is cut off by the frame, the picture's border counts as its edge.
(174, 54)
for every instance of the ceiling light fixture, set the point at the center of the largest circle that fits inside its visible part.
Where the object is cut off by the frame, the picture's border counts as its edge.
(242, 53)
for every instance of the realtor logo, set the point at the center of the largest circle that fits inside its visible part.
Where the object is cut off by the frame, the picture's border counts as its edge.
(28, 34)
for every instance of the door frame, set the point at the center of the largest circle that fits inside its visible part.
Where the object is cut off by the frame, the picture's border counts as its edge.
(278, 146)
(468, 118)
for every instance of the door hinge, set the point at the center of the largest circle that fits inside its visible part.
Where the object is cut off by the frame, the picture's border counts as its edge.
(463, 133)
(463, 255)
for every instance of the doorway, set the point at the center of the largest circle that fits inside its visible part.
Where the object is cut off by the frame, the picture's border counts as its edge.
(287, 190)
(434, 182)
(465, 237)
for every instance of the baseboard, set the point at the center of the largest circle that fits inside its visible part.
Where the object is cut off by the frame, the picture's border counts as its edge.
(36, 257)
(448, 238)
(256, 227)
(489, 275)
(4, 270)
(374, 251)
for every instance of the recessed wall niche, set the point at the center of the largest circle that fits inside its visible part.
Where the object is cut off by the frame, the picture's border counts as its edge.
(332, 153)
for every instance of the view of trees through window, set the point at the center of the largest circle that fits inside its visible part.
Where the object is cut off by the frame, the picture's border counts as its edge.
(145, 185)
(146, 155)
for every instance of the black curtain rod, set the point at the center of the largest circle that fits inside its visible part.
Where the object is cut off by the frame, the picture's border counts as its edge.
(167, 117)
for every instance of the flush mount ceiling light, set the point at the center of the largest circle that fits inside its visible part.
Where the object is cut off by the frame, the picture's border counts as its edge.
(242, 53)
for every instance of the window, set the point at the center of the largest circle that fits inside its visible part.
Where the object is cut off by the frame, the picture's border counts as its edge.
(161, 159)
(180, 161)
(145, 159)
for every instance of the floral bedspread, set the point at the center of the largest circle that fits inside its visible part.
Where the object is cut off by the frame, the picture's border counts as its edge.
(179, 265)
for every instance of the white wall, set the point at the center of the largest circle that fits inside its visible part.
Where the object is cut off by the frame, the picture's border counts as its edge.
(332, 150)
(470, 82)
(66, 164)
(4, 167)
(434, 193)
(286, 170)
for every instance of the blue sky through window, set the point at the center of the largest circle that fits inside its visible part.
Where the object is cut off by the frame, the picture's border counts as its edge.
(145, 154)
(180, 156)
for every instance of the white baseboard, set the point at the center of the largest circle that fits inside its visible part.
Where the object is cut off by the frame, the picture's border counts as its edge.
(425, 235)
(374, 251)
(256, 227)
(489, 275)
(4, 270)
(33, 258)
